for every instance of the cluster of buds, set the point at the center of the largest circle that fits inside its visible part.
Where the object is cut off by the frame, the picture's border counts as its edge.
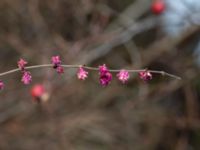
(26, 75)
(123, 76)
(105, 74)
(82, 74)
(55, 60)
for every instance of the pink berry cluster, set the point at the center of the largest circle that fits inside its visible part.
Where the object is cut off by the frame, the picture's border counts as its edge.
(55, 60)
(82, 74)
(105, 75)
(26, 75)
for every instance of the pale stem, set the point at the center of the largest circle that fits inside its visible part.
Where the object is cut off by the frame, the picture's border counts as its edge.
(92, 68)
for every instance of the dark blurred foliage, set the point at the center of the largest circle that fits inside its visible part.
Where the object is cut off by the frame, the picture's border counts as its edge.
(160, 115)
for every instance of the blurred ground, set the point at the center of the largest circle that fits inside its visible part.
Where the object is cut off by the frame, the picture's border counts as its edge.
(161, 115)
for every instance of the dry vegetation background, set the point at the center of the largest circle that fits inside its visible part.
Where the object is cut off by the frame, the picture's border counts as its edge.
(161, 115)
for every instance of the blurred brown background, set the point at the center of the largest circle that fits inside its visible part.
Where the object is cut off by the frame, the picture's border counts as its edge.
(160, 115)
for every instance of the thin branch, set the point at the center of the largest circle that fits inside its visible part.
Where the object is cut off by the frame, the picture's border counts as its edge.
(92, 68)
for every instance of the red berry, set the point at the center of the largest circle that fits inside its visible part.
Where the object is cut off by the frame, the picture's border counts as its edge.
(37, 91)
(158, 7)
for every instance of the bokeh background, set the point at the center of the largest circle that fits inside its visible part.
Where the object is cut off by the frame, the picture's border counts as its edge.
(160, 115)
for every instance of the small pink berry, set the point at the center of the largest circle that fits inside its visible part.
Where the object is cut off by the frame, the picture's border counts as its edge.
(103, 69)
(105, 76)
(21, 64)
(123, 76)
(82, 74)
(145, 75)
(60, 69)
(26, 78)
(55, 60)
(1, 85)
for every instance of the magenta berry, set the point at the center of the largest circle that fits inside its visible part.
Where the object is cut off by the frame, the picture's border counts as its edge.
(145, 75)
(21, 64)
(60, 69)
(26, 78)
(55, 60)
(82, 74)
(103, 68)
(123, 76)
(105, 76)
(1, 85)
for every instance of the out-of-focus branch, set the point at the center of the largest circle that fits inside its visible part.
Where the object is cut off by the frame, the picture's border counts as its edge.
(120, 37)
